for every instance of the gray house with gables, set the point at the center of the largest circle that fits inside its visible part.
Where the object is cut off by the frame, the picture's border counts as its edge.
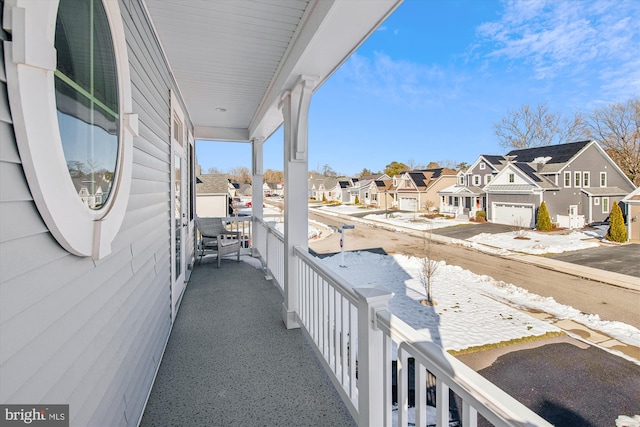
(578, 182)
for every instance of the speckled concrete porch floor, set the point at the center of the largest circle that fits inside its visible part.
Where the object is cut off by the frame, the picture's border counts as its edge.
(230, 361)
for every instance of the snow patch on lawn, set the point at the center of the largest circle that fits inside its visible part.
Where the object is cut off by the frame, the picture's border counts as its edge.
(537, 243)
(415, 221)
(472, 310)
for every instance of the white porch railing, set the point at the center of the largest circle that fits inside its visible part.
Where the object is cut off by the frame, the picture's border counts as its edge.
(353, 334)
(270, 244)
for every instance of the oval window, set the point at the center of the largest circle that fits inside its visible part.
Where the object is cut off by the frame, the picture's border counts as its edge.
(86, 91)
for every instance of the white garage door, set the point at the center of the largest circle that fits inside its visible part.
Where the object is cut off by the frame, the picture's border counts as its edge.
(408, 204)
(513, 214)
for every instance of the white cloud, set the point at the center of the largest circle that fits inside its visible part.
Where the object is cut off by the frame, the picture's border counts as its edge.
(400, 81)
(576, 39)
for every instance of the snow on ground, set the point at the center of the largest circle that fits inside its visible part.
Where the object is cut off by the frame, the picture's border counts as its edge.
(463, 317)
(313, 232)
(537, 243)
(472, 310)
(343, 209)
(415, 221)
(266, 211)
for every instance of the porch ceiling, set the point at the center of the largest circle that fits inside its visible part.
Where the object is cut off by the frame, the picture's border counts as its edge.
(240, 55)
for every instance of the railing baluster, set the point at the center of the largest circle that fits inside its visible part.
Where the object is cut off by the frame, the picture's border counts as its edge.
(420, 385)
(345, 343)
(469, 415)
(388, 380)
(442, 403)
(402, 381)
(353, 328)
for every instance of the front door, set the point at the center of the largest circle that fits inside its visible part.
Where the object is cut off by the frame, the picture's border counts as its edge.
(180, 207)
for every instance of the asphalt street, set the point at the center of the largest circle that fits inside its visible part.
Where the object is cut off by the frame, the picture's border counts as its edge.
(623, 259)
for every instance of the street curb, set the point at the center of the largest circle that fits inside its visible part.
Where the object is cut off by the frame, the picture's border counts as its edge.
(590, 273)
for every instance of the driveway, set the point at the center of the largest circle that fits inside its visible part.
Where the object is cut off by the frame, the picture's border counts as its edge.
(463, 232)
(623, 259)
(567, 383)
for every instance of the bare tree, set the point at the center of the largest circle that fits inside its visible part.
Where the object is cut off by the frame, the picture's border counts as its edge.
(271, 175)
(536, 126)
(428, 266)
(520, 228)
(617, 128)
(449, 164)
(240, 174)
(328, 171)
(433, 165)
(214, 170)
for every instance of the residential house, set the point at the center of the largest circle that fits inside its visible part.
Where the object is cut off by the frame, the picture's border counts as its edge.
(212, 195)
(466, 196)
(631, 210)
(271, 189)
(245, 190)
(365, 188)
(345, 185)
(382, 195)
(418, 189)
(85, 321)
(313, 183)
(578, 182)
(329, 189)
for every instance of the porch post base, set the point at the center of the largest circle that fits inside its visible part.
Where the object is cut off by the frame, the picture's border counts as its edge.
(289, 318)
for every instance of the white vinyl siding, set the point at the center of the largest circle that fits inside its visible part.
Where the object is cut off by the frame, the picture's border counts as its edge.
(97, 329)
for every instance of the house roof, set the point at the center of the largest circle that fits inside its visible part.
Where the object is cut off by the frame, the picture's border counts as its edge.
(459, 189)
(560, 153)
(633, 197)
(604, 191)
(494, 159)
(383, 184)
(511, 188)
(233, 60)
(423, 178)
(212, 183)
(540, 180)
(245, 189)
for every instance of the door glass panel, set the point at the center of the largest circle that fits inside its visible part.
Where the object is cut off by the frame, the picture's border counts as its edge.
(178, 215)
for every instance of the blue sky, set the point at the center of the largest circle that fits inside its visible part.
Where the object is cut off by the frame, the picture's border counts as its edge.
(432, 81)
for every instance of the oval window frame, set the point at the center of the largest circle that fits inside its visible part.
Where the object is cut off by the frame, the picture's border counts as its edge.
(30, 62)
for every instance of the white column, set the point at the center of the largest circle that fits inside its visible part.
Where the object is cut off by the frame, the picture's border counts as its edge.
(295, 109)
(256, 188)
(371, 369)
